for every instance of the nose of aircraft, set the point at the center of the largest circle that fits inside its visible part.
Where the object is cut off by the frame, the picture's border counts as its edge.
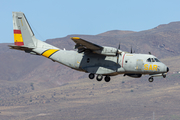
(167, 69)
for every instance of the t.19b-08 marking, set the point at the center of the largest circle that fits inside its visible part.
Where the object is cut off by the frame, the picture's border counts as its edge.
(101, 61)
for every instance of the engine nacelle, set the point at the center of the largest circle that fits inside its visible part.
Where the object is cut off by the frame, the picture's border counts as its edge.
(109, 51)
(134, 75)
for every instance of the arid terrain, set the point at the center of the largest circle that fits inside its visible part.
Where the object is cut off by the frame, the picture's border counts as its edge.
(35, 88)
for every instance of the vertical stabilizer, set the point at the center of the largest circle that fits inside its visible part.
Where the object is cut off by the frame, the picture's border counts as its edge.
(23, 34)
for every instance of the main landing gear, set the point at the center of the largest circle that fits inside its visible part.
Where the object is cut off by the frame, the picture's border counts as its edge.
(99, 77)
(107, 78)
(151, 79)
(91, 76)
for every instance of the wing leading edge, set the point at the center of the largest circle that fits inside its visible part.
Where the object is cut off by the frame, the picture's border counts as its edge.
(83, 45)
(80, 44)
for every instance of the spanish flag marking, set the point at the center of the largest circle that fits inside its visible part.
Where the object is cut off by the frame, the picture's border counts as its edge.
(18, 40)
(49, 52)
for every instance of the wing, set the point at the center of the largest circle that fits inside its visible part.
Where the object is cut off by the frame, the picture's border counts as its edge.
(83, 44)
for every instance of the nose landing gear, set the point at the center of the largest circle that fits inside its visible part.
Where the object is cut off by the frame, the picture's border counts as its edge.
(156, 75)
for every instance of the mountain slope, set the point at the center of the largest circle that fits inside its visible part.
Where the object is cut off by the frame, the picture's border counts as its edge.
(162, 41)
(33, 87)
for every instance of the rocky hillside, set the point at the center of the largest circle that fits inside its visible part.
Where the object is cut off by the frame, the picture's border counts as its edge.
(163, 41)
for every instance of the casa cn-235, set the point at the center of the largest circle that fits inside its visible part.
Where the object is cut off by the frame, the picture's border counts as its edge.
(99, 61)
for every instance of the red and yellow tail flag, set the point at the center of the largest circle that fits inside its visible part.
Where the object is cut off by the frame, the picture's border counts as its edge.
(18, 40)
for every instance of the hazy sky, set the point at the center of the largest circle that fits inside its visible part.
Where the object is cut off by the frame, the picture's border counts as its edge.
(59, 18)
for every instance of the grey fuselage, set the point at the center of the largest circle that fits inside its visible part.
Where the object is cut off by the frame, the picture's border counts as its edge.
(108, 65)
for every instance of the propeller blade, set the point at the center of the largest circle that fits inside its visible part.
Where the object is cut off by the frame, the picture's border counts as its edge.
(131, 49)
(117, 50)
(117, 53)
(119, 46)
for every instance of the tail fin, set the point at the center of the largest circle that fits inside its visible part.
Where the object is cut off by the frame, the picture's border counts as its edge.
(23, 34)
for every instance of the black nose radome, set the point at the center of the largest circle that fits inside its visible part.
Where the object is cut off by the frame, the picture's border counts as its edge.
(167, 69)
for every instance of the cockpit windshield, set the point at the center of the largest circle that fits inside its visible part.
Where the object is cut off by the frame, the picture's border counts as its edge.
(148, 60)
(153, 60)
(157, 60)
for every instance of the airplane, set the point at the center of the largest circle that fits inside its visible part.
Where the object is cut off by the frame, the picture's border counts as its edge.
(99, 61)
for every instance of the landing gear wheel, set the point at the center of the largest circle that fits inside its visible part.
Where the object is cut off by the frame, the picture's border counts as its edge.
(99, 77)
(151, 79)
(164, 75)
(91, 76)
(107, 78)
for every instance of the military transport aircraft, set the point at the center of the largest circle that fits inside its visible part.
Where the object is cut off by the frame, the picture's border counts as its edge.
(97, 60)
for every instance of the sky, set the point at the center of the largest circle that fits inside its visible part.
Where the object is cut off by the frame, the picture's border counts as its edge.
(59, 18)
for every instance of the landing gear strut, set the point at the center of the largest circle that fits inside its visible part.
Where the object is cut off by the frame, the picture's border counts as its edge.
(107, 78)
(91, 76)
(151, 79)
(99, 77)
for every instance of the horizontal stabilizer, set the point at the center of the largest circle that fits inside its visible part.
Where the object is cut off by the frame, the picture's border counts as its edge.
(20, 47)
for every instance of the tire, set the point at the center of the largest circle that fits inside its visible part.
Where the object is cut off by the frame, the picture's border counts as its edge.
(107, 78)
(151, 79)
(99, 77)
(164, 76)
(91, 76)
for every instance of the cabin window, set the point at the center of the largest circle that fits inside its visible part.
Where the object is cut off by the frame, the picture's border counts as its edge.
(126, 61)
(88, 60)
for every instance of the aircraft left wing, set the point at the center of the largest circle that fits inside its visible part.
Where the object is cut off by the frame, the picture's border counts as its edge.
(83, 45)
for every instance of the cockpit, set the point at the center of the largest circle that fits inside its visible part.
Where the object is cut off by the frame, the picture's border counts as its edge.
(153, 60)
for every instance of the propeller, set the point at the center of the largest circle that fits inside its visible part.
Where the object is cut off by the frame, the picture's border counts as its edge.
(117, 53)
(132, 51)
(150, 53)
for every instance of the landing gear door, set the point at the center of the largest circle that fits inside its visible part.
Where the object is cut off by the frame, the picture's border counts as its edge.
(139, 65)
